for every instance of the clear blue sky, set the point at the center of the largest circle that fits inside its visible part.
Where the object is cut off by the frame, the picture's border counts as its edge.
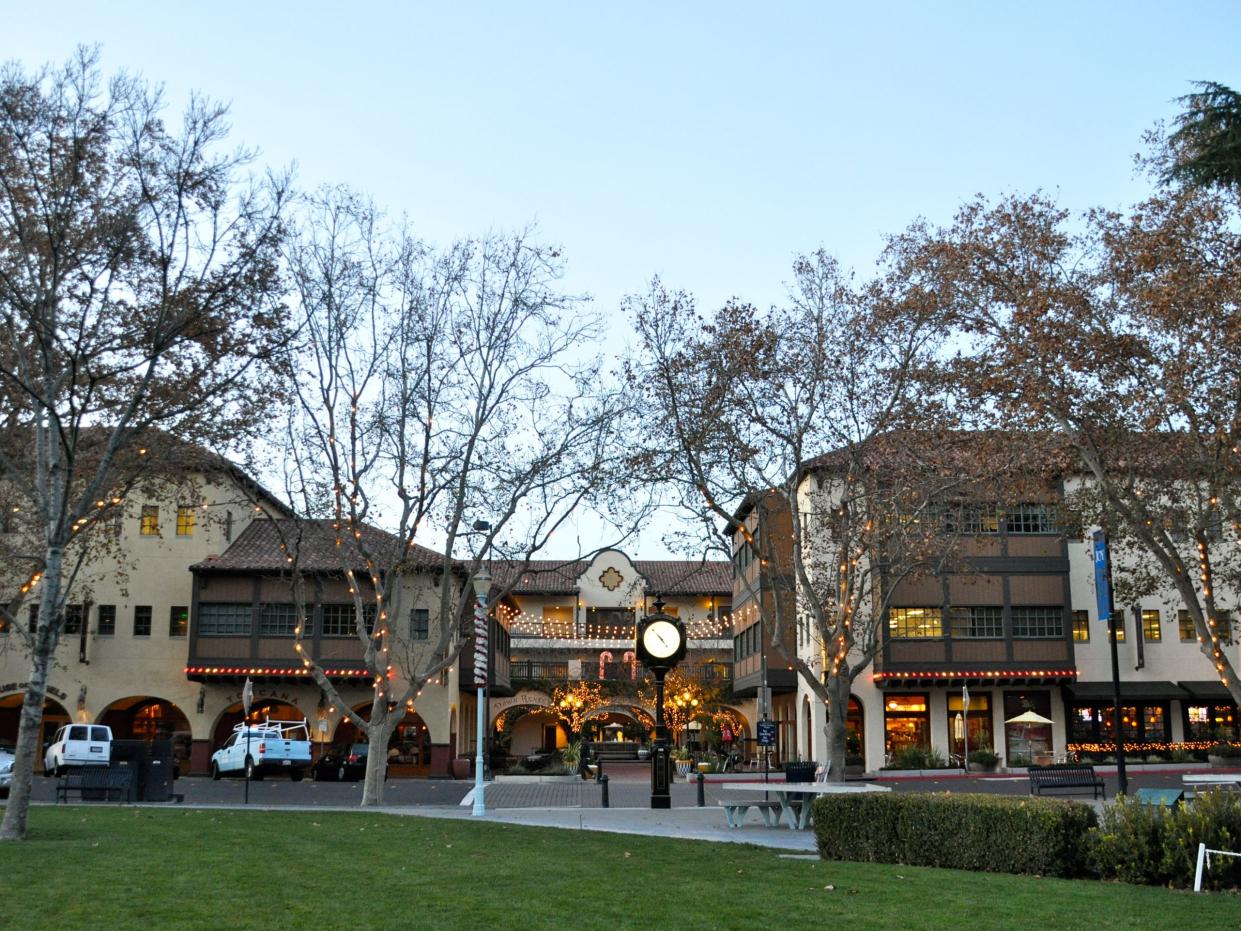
(705, 142)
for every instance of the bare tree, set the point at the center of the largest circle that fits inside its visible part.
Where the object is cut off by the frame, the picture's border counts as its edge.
(1119, 332)
(138, 287)
(818, 416)
(451, 398)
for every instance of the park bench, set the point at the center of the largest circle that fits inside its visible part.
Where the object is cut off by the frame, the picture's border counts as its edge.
(95, 782)
(735, 811)
(1068, 776)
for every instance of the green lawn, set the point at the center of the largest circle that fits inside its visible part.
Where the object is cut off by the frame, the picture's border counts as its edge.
(118, 868)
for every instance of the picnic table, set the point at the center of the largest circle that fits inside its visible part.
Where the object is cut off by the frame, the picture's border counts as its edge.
(792, 800)
(1197, 782)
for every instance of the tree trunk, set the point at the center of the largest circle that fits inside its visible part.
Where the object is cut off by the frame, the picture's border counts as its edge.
(378, 733)
(837, 733)
(28, 750)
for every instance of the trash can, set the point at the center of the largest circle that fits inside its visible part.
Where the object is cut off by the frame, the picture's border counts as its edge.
(800, 772)
(157, 772)
(129, 754)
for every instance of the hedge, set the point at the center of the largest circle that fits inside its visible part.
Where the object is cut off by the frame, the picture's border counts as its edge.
(1158, 846)
(985, 833)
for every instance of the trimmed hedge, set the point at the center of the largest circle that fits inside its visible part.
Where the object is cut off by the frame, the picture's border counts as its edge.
(985, 833)
(1158, 846)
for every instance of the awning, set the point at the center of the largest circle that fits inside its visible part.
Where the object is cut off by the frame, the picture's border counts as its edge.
(1210, 690)
(1129, 691)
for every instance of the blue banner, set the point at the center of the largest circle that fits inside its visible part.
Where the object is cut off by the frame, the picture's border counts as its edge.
(1102, 587)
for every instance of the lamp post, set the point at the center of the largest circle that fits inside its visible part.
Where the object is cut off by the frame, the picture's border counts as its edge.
(482, 586)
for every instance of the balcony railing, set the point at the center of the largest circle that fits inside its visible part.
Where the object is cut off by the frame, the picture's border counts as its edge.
(536, 670)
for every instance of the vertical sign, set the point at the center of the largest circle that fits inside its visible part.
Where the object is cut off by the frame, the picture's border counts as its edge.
(1102, 587)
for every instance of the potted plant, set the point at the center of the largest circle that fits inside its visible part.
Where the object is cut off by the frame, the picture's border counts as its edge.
(462, 767)
(982, 760)
(571, 756)
(1224, 754)
(684, 760)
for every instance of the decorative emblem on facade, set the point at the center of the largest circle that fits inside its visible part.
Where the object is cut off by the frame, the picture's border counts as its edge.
(611, 578)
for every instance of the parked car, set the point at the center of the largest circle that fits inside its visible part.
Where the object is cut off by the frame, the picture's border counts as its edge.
(344, 762)
(78, 745)
(6, 770)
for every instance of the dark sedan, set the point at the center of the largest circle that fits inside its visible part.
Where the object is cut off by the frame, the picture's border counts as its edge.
(344, 763)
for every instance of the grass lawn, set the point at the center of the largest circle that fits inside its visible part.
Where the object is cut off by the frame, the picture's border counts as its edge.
(117, 868)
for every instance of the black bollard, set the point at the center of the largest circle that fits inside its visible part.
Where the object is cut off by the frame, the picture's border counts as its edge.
(598, 768)
(604, 782)
(702, 797)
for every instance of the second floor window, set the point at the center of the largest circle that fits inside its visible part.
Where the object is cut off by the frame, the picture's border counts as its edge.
(915, 623)
(1038, 623)
(1186, 626)
(1152, 630)
(277, 620)
(216, 620)
(73, 619)
(978, 622)
(419, 624)
(149, 525)
(1030, 518)
(142, 620)
(178, 621)
(1081, 626)
(107, 620)
(186, 519)
(339, 620)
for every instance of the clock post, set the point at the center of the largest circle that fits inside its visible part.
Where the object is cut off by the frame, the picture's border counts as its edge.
(661, 642)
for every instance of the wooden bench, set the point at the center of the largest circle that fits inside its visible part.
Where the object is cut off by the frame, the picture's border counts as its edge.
(1068, 776)
(95, 782)
(735, 811)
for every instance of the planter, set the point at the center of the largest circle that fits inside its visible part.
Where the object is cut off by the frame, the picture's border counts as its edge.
(855, 769)
(704, 767)
(683, 767)
(462, 767)
(1223, 761)
(980, 767)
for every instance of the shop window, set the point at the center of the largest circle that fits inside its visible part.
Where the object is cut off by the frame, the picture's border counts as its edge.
(1081, 626)
(978, 622)
(1152, 630)
(1154, 723)
(906, 723)
(107, 620)
(186, 520)
(1038, 623)
(1025, 742)
(148, 526)
(915, 623)
(976, 723)
(1211, 722)
(1185, 624)
(142, 620)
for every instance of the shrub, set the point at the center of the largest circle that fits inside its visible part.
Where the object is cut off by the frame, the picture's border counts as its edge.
(910, 758)
(1158, 846)
(1226, 750)
(983, 757)
(988, 833)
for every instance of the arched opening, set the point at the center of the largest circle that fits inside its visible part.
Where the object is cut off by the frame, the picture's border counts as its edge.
(54, 715)
(409, 748)
(261, 709)
(143, 717)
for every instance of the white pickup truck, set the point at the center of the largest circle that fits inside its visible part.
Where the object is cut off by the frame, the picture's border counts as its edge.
(269, 747)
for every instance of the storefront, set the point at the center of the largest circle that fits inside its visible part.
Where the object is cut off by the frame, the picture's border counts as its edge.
(1029, 739)
(1209, 712)
(906, 722)
(974, 724)
(1145, 712)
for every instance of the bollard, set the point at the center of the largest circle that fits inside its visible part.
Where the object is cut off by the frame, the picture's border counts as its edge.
(604, 782)
(702, 798)
(598, 769)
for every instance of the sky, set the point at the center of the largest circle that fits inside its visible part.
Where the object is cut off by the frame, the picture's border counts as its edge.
(707, 143)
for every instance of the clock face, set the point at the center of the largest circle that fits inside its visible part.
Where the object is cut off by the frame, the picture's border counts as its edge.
(661, 639)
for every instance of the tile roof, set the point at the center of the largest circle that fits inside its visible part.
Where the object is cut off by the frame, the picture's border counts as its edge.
(265, 546)
(663, 576)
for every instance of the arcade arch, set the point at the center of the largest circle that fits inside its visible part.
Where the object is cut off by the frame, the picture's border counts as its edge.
(409, 748)
(145, 717)
(274, 708)
(54, 715)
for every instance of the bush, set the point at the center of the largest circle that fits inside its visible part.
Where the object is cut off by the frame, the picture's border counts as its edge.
(1158, 846)
(987, 833)
(1226, 750)
(983, 757)
(909, 758)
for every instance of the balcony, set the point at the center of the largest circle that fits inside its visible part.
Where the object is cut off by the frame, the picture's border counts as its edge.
(527, 672)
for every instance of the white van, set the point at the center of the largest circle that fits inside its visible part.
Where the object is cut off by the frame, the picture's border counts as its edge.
(78, 745)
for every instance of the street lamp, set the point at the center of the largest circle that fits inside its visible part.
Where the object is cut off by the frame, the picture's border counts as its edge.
(482, 586)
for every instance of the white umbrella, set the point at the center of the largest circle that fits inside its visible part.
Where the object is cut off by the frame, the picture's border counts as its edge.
(1029, 717)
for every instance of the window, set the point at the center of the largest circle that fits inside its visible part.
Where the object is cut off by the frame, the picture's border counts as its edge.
(1185, 624)
(142, 620)
(419, 624)
(1081, 626)
(186, 519)
(1120, 625)
(178, 621)
(277, 620)
(978, 622)
(228, 526)
(34, 618)
(1030, 518)
(906, 723)
(1038, 622)
(1223, 626)
(338, 620)
(107, 620)
(73, 619)
(972, 518)
(1152, 631)
(224, 619)
(149, 527)
(915, 622)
